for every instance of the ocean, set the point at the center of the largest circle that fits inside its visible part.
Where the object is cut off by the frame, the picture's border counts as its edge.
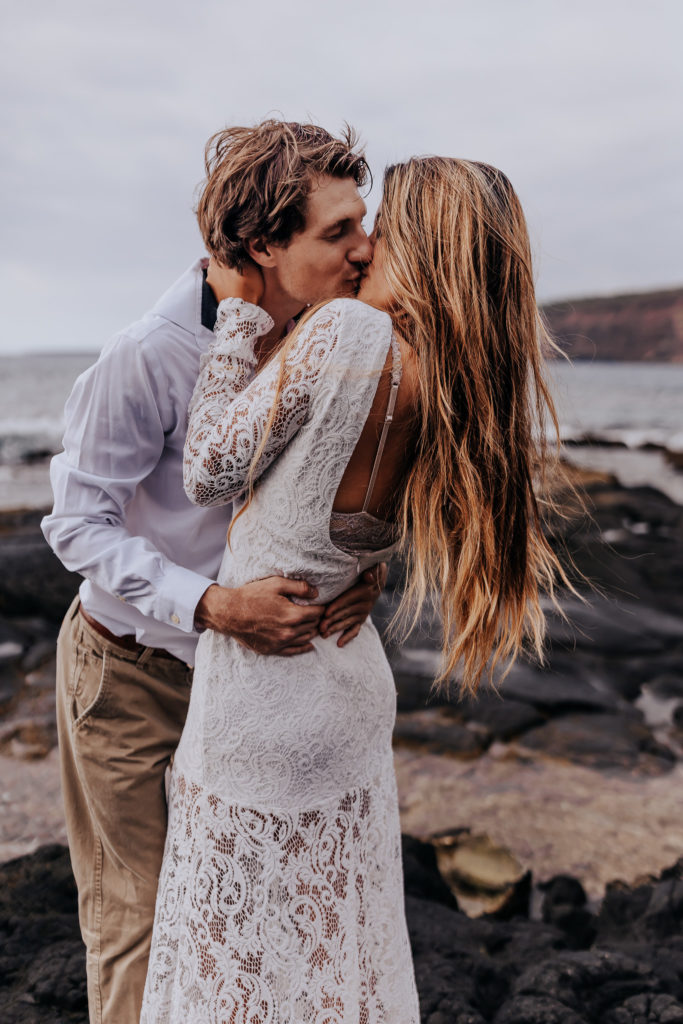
(625, 418)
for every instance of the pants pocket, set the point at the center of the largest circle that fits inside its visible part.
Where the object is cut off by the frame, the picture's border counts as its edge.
(91, 683)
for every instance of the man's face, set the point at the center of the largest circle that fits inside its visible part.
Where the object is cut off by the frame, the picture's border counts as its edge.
(325, 260)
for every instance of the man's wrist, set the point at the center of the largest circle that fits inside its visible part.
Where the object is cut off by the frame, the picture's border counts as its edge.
(204, 616)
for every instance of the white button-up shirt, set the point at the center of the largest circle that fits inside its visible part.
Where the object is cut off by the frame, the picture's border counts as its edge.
(121, 517)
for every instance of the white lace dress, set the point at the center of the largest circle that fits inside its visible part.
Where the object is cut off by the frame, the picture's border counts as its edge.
(281, 893)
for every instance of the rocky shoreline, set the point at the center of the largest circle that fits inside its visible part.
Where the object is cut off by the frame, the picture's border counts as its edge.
(621, 965)
(544, 878)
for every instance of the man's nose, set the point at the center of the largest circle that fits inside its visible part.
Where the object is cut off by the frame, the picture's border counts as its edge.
(362, 250)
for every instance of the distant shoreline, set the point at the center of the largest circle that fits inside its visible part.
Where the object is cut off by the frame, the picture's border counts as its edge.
(627, 327)
(637, 327)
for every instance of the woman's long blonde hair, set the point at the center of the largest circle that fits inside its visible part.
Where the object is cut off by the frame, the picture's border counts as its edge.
(458, 262)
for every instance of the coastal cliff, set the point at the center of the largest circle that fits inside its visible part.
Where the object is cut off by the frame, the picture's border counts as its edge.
(645, 327)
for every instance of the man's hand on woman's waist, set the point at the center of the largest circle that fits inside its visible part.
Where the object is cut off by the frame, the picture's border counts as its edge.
(262, 616)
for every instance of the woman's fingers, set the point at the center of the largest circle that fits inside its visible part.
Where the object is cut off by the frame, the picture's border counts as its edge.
(353, 616)
(348, 635)
(344, 623)
(365, 593)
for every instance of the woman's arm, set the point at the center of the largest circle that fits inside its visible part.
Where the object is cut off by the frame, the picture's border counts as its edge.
(233, 407)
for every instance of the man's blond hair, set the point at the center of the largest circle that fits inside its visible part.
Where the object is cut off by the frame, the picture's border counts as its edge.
(258, 180)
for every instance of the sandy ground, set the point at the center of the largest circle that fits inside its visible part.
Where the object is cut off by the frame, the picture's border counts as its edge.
(553, 816)
(30, 805)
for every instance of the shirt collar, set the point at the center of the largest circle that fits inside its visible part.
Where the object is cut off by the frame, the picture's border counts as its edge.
(182, 303)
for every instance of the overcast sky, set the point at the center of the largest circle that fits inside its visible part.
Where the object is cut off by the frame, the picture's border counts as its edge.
(106, 108)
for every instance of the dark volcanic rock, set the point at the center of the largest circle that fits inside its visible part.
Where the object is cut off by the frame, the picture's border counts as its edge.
(608, 627)
(421, 875)
(450, 962)
(589, 982)
(32, 579)
(28, 727)
(11, 678)
(501, 718)
(480, 971)
(592, 984)
(564, 905)
(600, 741)
(652, 911)
(647, 1009)
(667, 685)
(433, 729)
(537, 1010)
(42, 959)
(560, 689)
(38, 653)
(644, 567)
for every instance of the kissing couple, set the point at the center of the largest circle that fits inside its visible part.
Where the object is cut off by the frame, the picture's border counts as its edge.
(326, 399)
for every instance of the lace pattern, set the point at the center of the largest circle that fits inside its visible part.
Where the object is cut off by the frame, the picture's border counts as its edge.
(361, 533)
(280, 899)
(288, 917)
(228, 418)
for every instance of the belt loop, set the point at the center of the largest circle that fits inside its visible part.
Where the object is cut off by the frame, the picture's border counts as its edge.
(144, 655)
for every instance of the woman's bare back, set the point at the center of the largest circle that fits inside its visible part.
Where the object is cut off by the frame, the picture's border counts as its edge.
(396, 456)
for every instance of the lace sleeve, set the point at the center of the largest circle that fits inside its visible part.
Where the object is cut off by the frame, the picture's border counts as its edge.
(232, 404)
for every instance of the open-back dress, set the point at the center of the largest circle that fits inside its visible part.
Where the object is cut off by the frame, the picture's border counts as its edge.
(281, 894)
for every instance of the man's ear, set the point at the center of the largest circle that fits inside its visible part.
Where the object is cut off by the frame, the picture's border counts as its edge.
(260, 252)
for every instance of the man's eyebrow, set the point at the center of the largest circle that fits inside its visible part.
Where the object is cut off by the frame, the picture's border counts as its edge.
(337, 224)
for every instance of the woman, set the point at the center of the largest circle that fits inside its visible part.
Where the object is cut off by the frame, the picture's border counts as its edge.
(406, 416)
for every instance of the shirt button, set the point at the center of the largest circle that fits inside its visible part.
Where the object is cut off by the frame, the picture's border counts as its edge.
(175, 619)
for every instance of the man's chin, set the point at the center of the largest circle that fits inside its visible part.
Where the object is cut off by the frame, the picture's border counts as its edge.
(351, 289)
(344, 290)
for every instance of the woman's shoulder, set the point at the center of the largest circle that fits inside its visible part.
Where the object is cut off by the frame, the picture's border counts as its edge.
(348, 311)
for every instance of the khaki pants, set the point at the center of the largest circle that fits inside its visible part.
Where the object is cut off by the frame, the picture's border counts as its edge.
(119, 716)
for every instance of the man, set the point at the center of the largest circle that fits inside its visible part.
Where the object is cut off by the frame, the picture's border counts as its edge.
(286, 197)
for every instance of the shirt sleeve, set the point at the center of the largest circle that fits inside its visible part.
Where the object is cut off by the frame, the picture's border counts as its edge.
(114, 438)
(241, 419)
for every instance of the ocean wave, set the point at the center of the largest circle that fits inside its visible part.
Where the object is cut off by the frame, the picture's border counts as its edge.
(24, 441)
(627, 437)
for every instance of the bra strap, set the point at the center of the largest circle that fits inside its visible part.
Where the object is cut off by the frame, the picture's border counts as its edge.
(391, 405)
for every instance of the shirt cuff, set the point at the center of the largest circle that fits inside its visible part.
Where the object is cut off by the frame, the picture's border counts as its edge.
(178, 596)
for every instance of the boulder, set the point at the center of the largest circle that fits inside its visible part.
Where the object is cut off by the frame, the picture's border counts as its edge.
(590, 983)
(564, 905)
(558, 690)
(649, 912)
(611, 627)
(600, 741)
(32, 579)
(42, 957)
(435, 731)
(500, 717)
